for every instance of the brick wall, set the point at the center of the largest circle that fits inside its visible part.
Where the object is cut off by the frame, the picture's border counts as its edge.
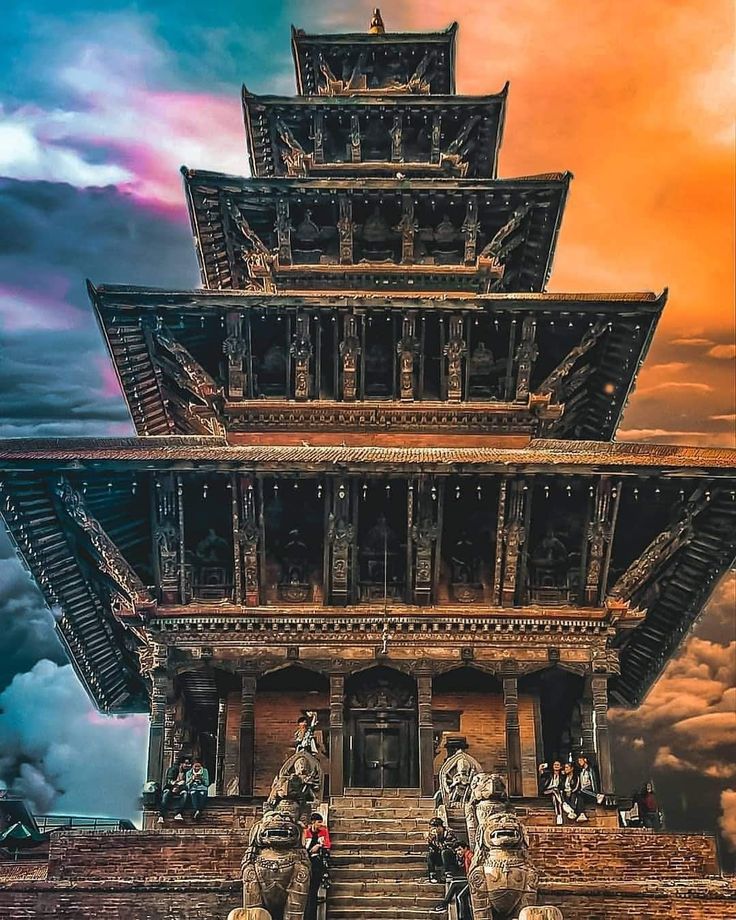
(483, 722)
(574, 854)
(146, 854)
(276, 713)
(603, 905)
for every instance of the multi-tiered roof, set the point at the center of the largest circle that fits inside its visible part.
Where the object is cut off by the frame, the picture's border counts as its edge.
(373, 304)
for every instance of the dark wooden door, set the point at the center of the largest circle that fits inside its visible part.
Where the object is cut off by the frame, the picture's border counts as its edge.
(383, 753)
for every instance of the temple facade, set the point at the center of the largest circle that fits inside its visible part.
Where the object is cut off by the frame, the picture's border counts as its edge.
(375, 473)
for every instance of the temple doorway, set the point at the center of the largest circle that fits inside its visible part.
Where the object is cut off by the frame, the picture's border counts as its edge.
(381, 721)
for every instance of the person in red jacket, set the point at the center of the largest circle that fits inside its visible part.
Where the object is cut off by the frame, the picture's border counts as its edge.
(318, 845)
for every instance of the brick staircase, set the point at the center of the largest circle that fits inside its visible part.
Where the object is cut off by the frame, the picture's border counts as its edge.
(378, 865)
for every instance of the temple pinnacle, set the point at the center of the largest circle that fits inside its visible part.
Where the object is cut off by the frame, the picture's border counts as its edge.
(376, 27)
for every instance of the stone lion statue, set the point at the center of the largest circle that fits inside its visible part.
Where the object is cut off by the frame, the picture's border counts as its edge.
(276, 869)
(502, 878)
(487, 792)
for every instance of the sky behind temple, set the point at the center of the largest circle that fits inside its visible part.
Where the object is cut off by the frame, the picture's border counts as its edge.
(103, 102)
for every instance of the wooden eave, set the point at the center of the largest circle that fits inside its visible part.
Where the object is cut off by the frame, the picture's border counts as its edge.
(306, 77)
(595, 412)
(258, 114)
(93, 636)
(542, 456)
(530, 262)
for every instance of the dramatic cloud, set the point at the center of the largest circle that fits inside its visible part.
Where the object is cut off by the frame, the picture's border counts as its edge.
(728, 817)
(113, 129)
(82, 764)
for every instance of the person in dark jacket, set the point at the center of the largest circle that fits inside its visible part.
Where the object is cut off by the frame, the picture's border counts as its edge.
(649, 814)
(441, 846)
(572, 802)
(590, 786)
(175, 794)
(551, 781)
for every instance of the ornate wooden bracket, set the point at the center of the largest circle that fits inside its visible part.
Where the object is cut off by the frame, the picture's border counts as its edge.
(129, 592)
(554, 382)
(660, 550)
(356, 153)
(470, 227)
(258, 258)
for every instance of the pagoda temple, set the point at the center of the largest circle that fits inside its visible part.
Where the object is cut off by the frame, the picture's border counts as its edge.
(374, 476)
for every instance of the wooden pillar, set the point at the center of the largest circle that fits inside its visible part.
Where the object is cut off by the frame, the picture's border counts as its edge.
(220, 747)
(337, 733)
(513, 733)
(160, 692)
(426, 735)
(599, 692)
(586, 723)
(246, 745)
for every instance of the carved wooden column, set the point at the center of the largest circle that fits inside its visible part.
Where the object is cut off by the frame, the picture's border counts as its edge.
(426, 732)
(234, 349)
(337, 733)
(511, 539)
(168, 537)
(455, 352)
(345, 229)
(436, 138)
(407, 226)
(424, 531)
(318, 136)
(349, 355)
(599, 693)
(598, 539)
(397, 138)
(470, 227)
(246, 534)
(301, 350)
(513, 732)
(340, 538)
(586, 722)
(526, 355)
(283, 230)
(161, 689)
(247, 737)
(220, 746)
(406, 349)
(356, 155)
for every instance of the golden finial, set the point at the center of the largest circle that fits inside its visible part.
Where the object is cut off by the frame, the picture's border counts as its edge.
(376, 27)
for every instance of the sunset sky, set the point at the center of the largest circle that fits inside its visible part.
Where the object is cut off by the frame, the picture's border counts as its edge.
(102, 105)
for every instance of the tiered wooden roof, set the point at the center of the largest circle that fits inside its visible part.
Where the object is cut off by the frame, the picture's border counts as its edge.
(77, 549)
(587, 400)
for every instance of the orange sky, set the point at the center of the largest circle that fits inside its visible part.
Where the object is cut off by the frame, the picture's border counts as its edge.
(636, 99)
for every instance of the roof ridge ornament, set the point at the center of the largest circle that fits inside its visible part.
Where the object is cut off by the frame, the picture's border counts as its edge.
(376, 27)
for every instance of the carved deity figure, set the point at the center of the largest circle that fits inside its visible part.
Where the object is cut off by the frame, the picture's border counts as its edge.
(307, 231)
(502, 878)
(276, 869)
(455, 779)
(299, 781)
(550, 560)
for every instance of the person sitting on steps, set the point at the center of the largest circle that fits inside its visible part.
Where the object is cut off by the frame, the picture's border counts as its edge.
(175, 794)
(572, 801)
(317, 843)
(441, 859)
(198, 781)
(459, 890)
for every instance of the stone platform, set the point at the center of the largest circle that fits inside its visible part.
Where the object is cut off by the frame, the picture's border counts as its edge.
(192, 872)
